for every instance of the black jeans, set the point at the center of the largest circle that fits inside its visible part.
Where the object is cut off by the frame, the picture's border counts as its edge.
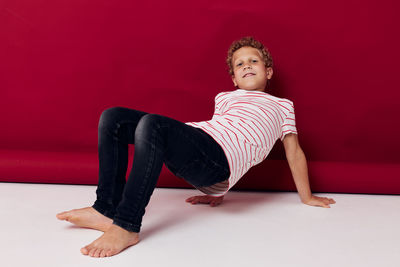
(187, 151)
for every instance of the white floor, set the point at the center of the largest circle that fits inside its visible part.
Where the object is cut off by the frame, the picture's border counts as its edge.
(248, 229)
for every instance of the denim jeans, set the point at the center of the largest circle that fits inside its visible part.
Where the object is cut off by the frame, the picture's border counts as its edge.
(188, 152)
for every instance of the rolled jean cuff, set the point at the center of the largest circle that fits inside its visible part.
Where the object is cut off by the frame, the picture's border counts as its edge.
(100, 208)
(127, 226)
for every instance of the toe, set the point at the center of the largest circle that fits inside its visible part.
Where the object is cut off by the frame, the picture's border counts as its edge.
(97, 252)
(110, 253)
(88, 249)
(85, 251)
(61, 216)
(103, 253)
(92, 251)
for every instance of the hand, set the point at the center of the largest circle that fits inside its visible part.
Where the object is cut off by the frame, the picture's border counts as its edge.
(319, 201)
(213, 201)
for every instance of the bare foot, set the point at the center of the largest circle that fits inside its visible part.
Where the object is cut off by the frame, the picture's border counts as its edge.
(86, 217)
(112, 242)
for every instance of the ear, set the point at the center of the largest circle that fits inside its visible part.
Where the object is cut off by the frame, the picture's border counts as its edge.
(269, 72)
(234, 80)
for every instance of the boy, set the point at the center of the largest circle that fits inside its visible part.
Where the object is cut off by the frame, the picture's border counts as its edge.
(211, 155)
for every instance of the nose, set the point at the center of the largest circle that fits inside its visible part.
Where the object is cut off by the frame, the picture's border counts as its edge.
(246, 66)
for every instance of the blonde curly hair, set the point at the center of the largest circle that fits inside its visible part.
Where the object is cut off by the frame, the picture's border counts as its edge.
(248, 41)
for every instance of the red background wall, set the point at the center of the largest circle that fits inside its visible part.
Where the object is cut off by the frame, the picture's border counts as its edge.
(64, 62)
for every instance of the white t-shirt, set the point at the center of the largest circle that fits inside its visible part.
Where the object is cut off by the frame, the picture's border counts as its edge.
(246, 124)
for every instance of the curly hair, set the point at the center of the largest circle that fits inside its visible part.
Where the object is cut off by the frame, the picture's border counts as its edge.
(248, 41)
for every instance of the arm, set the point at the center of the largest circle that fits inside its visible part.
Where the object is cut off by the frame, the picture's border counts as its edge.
(298, 166)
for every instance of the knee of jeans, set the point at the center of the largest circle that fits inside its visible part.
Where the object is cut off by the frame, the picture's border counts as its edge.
(146, 125)
(109, 118)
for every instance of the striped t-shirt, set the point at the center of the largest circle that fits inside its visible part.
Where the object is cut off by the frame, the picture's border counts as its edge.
(246, 124)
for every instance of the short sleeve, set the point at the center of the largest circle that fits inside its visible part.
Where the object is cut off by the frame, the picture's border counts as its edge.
(289, 123)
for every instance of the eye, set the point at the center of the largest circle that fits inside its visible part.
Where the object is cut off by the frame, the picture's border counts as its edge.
(240, 64)
(255, 60)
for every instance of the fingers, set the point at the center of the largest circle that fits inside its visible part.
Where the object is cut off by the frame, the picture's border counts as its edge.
(194, 199)
(215, 203)
(189, 199)
(204, 200)
(327, 201)
(321, 202)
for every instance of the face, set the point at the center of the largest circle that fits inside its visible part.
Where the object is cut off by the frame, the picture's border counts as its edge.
(249, 72)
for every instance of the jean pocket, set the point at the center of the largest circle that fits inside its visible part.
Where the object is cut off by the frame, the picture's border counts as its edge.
(200, 173)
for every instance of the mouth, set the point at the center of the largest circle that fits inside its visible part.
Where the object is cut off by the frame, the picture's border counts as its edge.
(248, 74)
